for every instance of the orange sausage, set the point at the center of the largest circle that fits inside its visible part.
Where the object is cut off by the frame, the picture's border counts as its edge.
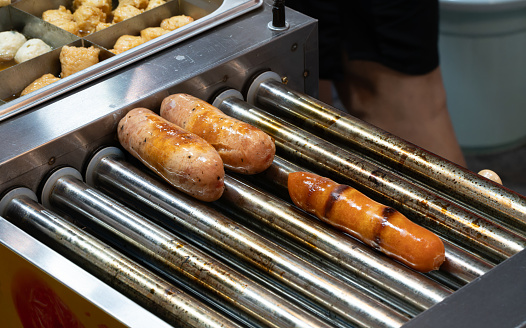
(181, 158)
(244, 148)
(377, 225)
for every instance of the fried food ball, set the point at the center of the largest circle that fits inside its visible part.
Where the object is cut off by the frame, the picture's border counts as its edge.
(139, 4)
(155, 3)
(69, 26)
(10, 42)
(102, 26)
(126, 42)
(175, 22)
(75, 59)
(125, 12)
(41, 82)
(62, 18)
(57, 14)
(104, 5)
(88, 17)
(151, 33)
(31, 49)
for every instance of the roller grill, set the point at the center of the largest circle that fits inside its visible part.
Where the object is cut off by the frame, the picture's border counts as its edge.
(253, 236)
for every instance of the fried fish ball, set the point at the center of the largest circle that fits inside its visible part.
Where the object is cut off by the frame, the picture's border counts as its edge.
(41, 82)
(62, 18)
(75, 59)
(10, 42)
(31, 49)
(125, 12)
(151, 33)
(175, 22)
(139, 4)
(126, 42)
(57, 14)
(69, 26)
(155, 3)
(104, 5)
(88, 18)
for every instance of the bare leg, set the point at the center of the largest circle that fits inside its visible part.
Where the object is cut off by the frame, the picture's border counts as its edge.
(325, 90)
(411, 107)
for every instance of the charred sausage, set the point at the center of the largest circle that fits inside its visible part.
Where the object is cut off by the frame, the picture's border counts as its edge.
(181, 158)
(244, 148)
(376, 225)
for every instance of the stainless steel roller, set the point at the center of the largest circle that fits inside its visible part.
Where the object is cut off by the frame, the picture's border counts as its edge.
(161, 249)
(472, 189)
(183, 213)
(460, 267)
(142, 286)
(438, 214)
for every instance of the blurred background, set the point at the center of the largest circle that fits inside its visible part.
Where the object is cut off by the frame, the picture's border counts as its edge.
(483, 60)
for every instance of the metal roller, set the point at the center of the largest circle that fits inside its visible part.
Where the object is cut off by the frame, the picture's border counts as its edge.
(142, 286)
(438, 214)
(162, 250)
(311, 114)
(183, 213)
(460, 267)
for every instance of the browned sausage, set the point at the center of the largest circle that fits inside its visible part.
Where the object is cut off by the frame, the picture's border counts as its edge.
(377, 225)
(244, 148)
(183, 159)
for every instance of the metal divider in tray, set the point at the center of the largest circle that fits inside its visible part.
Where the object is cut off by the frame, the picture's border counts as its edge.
(25, 16)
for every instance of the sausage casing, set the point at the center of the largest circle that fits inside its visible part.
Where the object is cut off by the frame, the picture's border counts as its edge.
(377, 225)
(182, 158)
(244, 148)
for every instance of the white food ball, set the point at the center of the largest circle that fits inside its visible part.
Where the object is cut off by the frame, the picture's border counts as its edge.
(489, 174)
(10, 42)
(31, 49)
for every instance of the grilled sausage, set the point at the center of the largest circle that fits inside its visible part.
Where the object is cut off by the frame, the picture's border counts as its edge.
(244, 148)
(377, 225)
(183, 159)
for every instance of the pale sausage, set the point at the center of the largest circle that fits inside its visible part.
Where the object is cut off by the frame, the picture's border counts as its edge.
(182, 158)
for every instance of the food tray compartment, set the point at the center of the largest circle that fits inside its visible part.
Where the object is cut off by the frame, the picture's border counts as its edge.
(151, 18)
(37, 7)
(131, 26)
(16, 78)
(206, 14)
(13, 19)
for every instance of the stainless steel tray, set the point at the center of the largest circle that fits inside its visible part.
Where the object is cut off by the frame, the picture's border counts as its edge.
(25, 16)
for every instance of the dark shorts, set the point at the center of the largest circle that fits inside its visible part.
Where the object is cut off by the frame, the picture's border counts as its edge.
(400, 34)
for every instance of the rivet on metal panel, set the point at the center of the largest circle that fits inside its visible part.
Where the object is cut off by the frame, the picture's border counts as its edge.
(51, 161)
(294, 47)
(285, 80)
(306, 73)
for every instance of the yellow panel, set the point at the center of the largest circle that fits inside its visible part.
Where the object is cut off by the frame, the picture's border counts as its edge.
(30, 298)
